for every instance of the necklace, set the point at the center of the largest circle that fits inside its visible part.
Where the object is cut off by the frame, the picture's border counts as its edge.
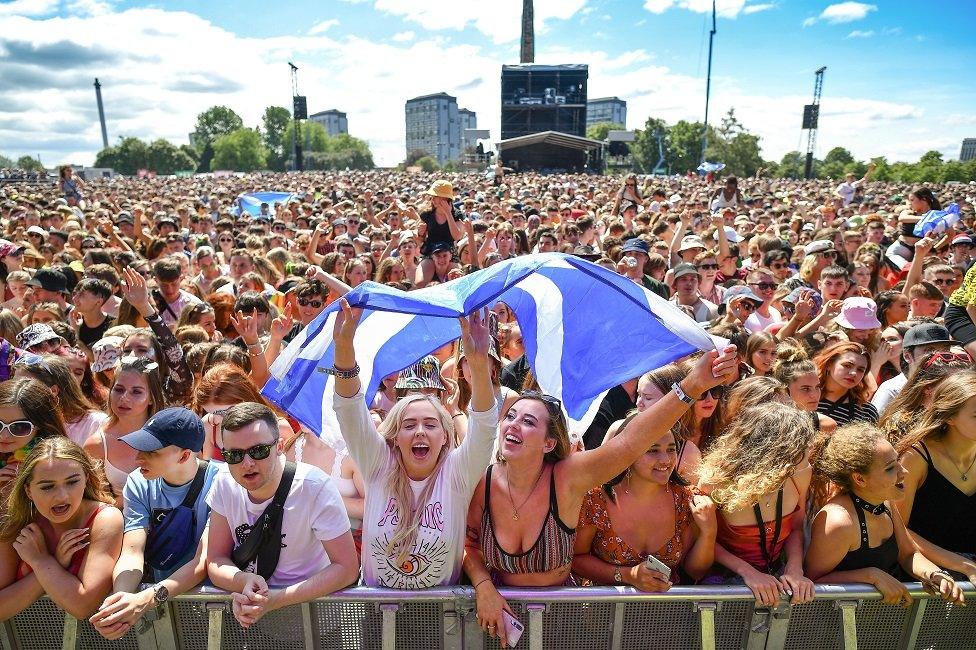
(963, 474)
(508, 488)
(868, 506)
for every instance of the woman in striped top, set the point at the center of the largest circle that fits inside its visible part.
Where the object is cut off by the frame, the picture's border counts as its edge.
(842, 368)
(530, 500)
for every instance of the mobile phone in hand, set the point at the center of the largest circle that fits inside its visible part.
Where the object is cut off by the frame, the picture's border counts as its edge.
(513, 629)
(657, 565)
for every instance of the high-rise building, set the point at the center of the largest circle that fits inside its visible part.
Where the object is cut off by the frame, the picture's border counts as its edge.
(434, 127)
(467, 120)
(333, 120)
(606, 109)
(968, 151)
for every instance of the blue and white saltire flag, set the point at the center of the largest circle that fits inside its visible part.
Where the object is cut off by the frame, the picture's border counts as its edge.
(585, 329)
(938, 221)
(707, 167)
(251, 203)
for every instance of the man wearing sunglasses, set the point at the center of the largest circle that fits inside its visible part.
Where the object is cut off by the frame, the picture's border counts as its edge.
(167, 455)
(763, 285)
(317, 555)
(919, 342)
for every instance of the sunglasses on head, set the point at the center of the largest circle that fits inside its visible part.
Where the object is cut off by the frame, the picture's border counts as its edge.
(548, 400)
(948, 357)
(304, 302)
(18, 428)
(257, 452)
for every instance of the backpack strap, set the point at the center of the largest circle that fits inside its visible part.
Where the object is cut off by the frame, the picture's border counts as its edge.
(191, 496)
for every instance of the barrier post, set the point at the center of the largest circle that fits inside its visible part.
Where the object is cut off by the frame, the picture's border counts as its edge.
(70, 639)
(706, 613)
(215, 625)
(915, 615)
(848, 613)
(779, 624)
(389, 625)
(617, 631)
(536, 632)
(160, 633)
(6, 636)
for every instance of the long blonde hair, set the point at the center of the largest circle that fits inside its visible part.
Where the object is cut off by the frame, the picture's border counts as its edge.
(755, 456)
(20, 509)
(947, 400)
(398, 483)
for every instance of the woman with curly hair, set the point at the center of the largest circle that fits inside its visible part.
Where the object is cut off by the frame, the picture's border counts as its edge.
(939, 455)
(843, 371)
(865, 468)
(802, 379)
(757, 473)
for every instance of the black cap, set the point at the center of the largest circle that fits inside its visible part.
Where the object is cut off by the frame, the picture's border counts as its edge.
(926, 334)
(49, 280)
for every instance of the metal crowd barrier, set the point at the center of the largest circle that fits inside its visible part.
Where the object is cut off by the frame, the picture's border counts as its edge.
(843, 617)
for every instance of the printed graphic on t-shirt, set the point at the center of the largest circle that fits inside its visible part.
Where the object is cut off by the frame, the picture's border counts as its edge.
(425, 565)
(158, 514)
(241, 533)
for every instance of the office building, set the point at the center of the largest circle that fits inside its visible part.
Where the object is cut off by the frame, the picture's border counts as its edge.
(606, 109)
(333, 120)
(968, 151)
(434, 127)
(467, 119)
(537, 98)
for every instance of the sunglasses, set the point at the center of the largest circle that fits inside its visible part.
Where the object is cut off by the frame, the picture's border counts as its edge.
(830, 255)
(747, 306)
(548, 400)
(779, 267)
(314, 304)
(225, 240)
(257, 452)
(31, 361)
(18, 428)
(708, 267)
(279, 229)
(763, 286)
(353, 222)
(947, 357)
(942, 282)
(716, 393)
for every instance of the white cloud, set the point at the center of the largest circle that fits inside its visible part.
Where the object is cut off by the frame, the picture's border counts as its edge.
(842, 12)
(404, 37)
(857, 33)
(165, 67)
(754, 9)
(724, 8)
(28, 7)
(501, 22)
(658, 6)
(323, 26)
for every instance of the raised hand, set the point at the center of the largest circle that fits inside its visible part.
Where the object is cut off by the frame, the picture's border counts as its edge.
(246, 327)
(283, 323)
(136, 291)
(475, 335)
(713, 368)
(347, 320)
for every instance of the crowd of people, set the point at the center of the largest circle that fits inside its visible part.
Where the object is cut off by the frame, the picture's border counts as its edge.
(832, 441)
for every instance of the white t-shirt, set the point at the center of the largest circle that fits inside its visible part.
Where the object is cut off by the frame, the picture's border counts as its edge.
(846, 191)
(314, 513)
(172, 315)
(757, 322)
(88, 425)
(888, 391)
(436, 555)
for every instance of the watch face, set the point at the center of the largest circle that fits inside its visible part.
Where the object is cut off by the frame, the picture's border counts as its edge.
(162, 594)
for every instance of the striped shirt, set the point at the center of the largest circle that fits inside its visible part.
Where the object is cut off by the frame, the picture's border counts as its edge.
(847, 410)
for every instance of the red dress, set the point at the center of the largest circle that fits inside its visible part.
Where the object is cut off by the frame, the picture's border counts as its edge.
(24, 569)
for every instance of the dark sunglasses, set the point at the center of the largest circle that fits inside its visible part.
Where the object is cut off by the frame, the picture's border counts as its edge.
(353, 222)
(257, 452)
(279, 228)
(315, 304)
(747, 306)
(947, 357)
(942, 282)
(716, 392)
(777, 267)
(708, 267)
(763, 286)
(18, 428)
(225, 239)
(830, 255)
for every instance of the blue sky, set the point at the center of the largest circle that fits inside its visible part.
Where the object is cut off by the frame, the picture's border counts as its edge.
(899, 78)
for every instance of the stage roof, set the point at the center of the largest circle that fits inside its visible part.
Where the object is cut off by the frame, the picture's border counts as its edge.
(550, 137)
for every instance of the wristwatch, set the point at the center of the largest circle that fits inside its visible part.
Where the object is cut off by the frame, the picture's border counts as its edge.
(680, 394)
(160, 594)
(617, 578)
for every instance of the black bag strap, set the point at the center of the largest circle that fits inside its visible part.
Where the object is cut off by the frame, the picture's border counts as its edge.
(197, 485)
(264, 540)
(776, 530)
(162, 305)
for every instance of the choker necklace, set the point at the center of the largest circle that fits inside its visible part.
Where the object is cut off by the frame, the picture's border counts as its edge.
(868, 507)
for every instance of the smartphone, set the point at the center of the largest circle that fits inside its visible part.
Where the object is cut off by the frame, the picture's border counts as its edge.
(513, 629)
(657, 565)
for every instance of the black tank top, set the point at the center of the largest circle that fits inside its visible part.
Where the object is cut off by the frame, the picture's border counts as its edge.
(941, 513)
(884, 556)
(436, 232)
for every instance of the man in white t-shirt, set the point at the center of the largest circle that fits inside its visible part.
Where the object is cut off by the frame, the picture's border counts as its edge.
(170, 298)
(848, 188)
(317, 555)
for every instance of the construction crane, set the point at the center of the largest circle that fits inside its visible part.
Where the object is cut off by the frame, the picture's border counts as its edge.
(811, 115)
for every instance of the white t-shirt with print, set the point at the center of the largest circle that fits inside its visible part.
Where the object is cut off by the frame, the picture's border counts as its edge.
(313, 513)
(436, 556)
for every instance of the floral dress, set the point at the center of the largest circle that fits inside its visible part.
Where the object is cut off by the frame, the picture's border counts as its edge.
(612, 549)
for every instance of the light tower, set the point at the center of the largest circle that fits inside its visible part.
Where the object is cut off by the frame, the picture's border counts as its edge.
(811, 115)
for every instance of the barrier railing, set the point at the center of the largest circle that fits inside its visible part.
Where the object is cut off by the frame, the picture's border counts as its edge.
(616, 618)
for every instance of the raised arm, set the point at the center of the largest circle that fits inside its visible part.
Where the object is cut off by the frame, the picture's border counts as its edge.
(597, 466)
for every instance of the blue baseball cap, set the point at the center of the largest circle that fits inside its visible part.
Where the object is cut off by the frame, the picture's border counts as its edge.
(175, 426)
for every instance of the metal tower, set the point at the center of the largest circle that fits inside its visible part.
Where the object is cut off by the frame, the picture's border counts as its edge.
(708, 83)
(101, 113)
(811, 115)
(527, 50)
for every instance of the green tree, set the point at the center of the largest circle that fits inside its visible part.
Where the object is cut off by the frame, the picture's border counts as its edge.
(684, 145)
(644, 151)
(211, 124)
(6, 162)
(354, 150)
(165, 158)
(600, 130)
(834, 163)
(427, 164)
(127, 157)
(192, 153)
(734, 146)
(274, 122)
(29, 164)
(240, 151)
(791, 165)
(414, 156)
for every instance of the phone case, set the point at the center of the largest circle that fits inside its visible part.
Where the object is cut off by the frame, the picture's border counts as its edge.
(513, 629)
(659, 566)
